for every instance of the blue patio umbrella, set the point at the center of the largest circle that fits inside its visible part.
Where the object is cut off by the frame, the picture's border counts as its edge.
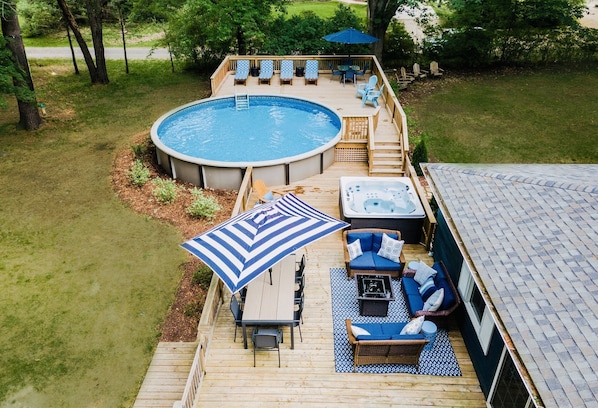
(249, 244)
(350, 36)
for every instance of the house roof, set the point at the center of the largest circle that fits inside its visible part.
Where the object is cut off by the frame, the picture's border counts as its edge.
(531, 233)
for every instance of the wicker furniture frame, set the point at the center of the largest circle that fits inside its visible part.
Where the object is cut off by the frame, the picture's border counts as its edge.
(442, 318)
(384, 351)
(352, 272)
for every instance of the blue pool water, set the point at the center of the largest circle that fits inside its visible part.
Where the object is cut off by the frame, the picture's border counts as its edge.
(272, 128)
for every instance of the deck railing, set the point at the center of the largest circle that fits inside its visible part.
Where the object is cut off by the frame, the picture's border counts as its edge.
(358, 130)
(214, 300)
(429, 225)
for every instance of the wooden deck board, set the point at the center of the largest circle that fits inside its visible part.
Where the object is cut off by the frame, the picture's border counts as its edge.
(166, 376)
(307, 374)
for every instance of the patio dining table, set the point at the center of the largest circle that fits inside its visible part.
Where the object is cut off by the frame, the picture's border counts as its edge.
(271, 303)
(345, 68)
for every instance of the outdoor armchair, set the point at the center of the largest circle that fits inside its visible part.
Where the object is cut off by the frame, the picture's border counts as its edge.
(363, 89)
(372, 97)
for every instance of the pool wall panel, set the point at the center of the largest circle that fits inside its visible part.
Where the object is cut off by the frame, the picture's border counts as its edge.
(185, 171)
(272, 175)
(223, 178)
(305, 168)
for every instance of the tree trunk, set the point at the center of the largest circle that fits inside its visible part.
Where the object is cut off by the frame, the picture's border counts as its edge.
(29, 116)
(95, 14)
(380, 14)
(241, 44)
(70, 20)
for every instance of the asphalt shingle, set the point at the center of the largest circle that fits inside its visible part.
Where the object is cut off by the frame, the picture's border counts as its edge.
(531, 232)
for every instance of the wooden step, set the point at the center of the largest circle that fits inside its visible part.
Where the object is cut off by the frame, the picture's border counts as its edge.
(167, 375)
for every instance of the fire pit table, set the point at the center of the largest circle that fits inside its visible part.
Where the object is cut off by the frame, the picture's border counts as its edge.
(373, 293)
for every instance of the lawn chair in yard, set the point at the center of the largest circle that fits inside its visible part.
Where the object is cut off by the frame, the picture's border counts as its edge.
(266, 71)
(242, 72)
(419, 73)
(403, 76)
(286, 72)
(400, 84)
(435, 70)
(311, 72)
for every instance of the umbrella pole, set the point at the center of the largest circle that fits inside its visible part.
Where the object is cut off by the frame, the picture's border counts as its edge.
(270, 270)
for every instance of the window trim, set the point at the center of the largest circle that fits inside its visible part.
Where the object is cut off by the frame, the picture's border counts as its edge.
(483, 326)
(496, 379)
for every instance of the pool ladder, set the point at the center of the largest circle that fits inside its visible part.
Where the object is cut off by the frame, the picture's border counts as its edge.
(241, 101)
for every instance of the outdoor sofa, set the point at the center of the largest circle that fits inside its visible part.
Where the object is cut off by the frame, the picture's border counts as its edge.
(415, 300)
(384, 344)
(370, 262)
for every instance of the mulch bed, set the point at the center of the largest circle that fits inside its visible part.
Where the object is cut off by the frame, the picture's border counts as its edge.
(182, 319)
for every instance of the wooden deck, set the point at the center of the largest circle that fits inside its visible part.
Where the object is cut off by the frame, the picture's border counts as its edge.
(167, 375)
(307, 376)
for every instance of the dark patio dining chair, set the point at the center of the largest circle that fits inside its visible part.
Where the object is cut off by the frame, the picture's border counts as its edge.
(298, 315)
(300, 269)
(268, 339)
(335, 73)
(349, 76)
(300, 287)
(237, 312)
(362, 72)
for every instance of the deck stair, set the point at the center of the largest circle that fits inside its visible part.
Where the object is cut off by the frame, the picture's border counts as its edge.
(241, 101)
(387, 159)
(167, 375)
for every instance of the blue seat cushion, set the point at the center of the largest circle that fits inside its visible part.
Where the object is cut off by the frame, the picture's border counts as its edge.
(449, 297)
(383, 264)
(365, 238)
(407, 337)
(375, 329)
(377, 240)
(410, 286)
(373, 337)
(392, 328)
(414, 303)
(364, 262)
(439, 271)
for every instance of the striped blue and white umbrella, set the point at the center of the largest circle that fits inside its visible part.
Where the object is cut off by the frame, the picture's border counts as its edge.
(240, 249)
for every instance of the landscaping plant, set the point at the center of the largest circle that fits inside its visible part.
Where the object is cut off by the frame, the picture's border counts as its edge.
(203, 205)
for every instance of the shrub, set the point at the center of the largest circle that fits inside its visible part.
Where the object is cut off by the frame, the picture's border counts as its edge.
(193, 310)
(202, 205)
(202, 276)
(139, 149)
(139, 173)
(420, 155)
(165, 190)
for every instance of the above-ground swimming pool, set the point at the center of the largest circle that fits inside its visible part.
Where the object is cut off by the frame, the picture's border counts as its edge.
(382, 202)
(210, 142)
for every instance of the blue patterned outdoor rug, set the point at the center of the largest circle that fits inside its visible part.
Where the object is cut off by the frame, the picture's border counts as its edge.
(440, 360)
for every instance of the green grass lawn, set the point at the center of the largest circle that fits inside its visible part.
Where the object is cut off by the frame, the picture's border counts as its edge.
(324, 9)
(86, 282)
(547, 116)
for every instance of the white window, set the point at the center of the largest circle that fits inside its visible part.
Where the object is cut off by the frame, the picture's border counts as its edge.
(476, 307)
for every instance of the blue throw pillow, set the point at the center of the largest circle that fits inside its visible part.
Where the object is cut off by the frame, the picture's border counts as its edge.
(427, 288)
(364, 237)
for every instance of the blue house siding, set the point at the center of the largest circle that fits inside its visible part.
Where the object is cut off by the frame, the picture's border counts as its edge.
(446, 250)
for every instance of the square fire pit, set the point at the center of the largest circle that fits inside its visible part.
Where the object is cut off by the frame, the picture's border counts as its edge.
(373, 293)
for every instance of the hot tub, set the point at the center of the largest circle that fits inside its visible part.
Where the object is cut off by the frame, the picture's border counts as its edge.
(382, 202)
